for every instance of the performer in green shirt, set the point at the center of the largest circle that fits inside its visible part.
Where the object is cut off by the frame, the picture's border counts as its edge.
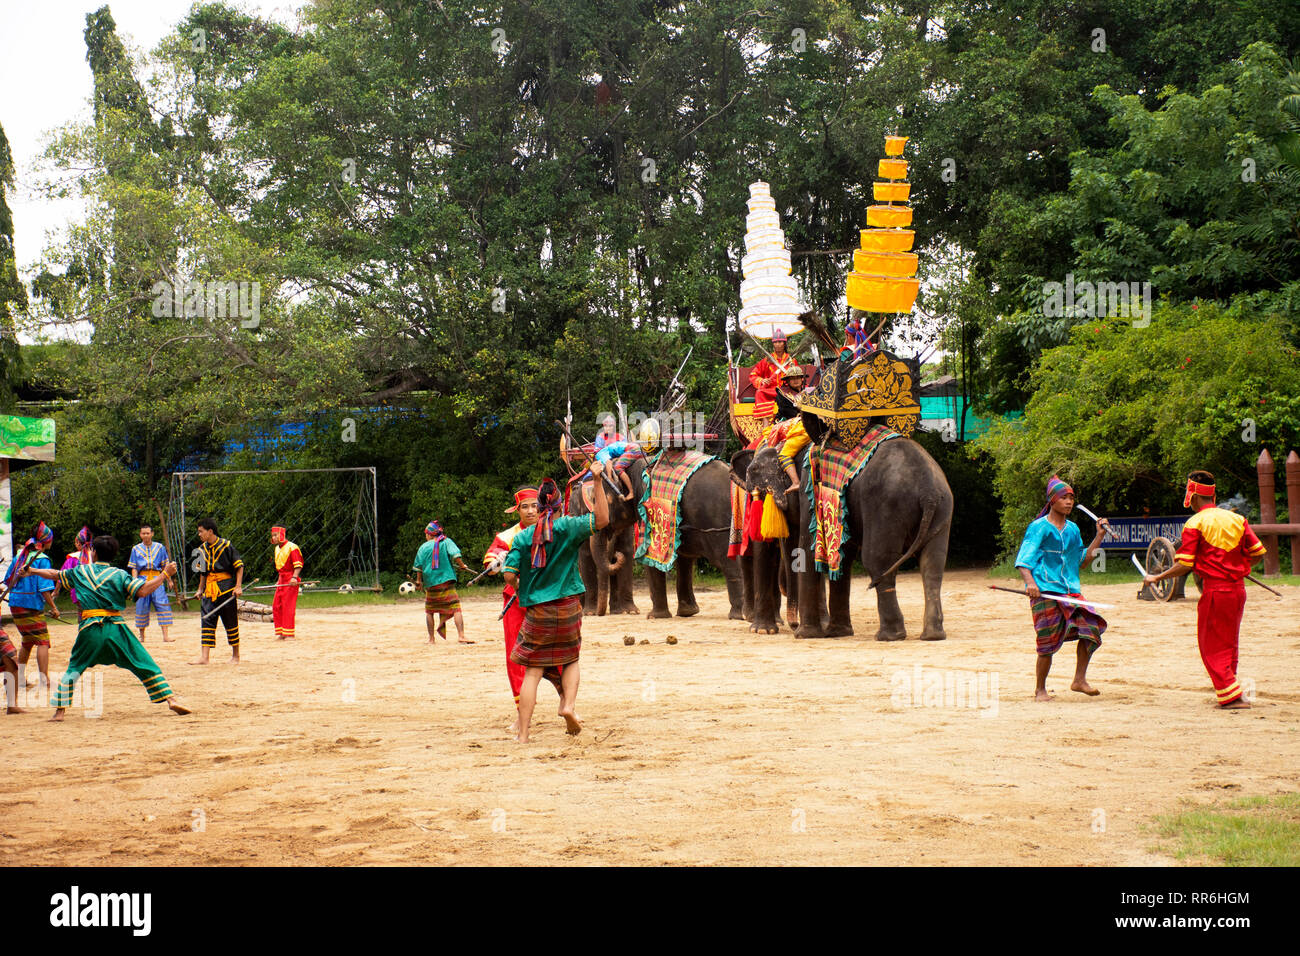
(542, 567)
(434, 571)
(103, 637)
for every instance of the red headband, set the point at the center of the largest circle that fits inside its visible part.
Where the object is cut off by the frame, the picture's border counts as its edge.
(522, 495)
(1196, 488)
(279, 529)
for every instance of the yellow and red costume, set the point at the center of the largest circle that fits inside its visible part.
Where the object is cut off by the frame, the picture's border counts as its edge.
(288, 567)
(1219, 546)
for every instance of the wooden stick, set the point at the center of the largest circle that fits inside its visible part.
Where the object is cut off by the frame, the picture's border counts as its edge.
(1052, 597)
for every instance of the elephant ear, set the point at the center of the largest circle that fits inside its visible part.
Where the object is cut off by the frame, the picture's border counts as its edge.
(813, 425)
(740, 463)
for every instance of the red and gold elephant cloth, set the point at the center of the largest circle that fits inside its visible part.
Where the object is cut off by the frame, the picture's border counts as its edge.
(829, 473)
(666, 477)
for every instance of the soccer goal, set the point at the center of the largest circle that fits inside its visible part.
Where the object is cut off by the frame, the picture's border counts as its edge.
(330, 513)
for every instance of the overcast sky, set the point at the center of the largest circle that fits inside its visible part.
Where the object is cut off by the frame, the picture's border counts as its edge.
(46, 83)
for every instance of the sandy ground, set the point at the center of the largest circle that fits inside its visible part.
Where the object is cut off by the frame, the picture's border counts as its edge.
(359, 743)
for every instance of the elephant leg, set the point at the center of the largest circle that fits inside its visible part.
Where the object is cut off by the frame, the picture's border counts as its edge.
(841, 624)
(746, 572)
(767, 596)
(587, 568)
(933, 557)
(735, 590)
(892, 625)
(686, 606)
(791, 588)
(621, 598)
(811, 586)
(602, 576)
(658, 581)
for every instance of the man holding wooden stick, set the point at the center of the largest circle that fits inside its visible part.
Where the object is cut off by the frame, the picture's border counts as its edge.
(1219, 546)
(221, 564)
(1050, 559)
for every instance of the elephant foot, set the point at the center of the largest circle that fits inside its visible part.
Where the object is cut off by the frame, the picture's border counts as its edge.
(757, 629)
(687, 610)
(807, 632)
(747, 611)
(627, 609)
(657, 613)
(589, 610)
(840, 630)
(884, 635)
(938, 635)
(792, 620)
(737, 615)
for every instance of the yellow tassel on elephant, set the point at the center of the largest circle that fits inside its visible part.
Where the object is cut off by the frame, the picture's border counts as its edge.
(774, 524)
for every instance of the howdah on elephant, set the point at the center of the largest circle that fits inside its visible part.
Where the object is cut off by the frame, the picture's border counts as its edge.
(899, 506)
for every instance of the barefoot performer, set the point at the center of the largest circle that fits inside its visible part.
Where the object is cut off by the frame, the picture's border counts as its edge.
(221, 562)
(434, 571)
(27, 598)
(103, 637)
(1221, 547)
(1050, 559)
(512, 614)
(288, 568)
(543, 567)
(147, 560)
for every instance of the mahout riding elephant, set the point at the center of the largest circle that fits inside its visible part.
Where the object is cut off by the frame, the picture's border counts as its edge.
(899, 505)
(765, 565)
(603, 557)
(704, 521)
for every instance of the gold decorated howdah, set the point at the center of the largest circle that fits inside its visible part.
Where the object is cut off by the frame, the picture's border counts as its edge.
(879, 390)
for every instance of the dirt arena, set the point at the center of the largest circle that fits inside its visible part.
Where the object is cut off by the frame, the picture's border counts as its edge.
(358, 743)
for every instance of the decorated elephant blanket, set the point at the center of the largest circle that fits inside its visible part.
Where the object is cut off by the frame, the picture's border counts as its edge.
(826, 479)
(660, 506)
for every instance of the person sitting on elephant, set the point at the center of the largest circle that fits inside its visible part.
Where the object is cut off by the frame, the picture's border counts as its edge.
(766, 376)
(1049, 561)
(619, 454)
(608, 433)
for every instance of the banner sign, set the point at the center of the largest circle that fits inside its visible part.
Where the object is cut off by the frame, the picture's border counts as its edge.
(1137, 533)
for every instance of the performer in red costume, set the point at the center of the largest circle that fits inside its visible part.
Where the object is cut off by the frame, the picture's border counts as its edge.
(288, 566)
(1219, 546)
(766, 376)
(526, 506)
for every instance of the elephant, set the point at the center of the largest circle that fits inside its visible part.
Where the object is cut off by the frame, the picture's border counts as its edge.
(605, 555)
(764, 565)
(704, 520)
(899, 505)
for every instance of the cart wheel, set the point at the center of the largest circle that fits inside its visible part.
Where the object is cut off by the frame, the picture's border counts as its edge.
(1160, 558)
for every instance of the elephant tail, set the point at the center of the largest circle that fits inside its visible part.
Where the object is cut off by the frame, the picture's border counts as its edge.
(922, 535)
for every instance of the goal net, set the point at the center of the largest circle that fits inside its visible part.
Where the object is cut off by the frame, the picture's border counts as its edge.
(329, 513)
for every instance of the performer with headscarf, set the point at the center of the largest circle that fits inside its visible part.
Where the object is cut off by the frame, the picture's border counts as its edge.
(766, 376)
(147, 560)
(435, 571)
(288, 569)
(74, 558)
(103, 637)
(1220, 546)
(513, 614)
(543, 568)
(28, 596)
(220, 564)
(1050, 559)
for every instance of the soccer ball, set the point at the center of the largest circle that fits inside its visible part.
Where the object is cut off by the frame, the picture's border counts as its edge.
(406, 587)
(345, 589)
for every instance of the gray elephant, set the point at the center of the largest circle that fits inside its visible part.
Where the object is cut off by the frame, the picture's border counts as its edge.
(765, 565)
(704, 520)
(605, 562)
(899, 505)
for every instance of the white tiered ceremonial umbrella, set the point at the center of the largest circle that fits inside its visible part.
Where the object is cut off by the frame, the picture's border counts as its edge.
(769, 295)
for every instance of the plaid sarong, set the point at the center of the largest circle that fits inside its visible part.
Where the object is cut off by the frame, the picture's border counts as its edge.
(551, 634)
(1056, 623)
(830, 471)
(666, 476)
(443, 600)
(31, 626)
(7, 648)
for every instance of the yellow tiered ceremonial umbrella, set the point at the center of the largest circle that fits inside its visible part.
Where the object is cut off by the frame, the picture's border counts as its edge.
(884, 270)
